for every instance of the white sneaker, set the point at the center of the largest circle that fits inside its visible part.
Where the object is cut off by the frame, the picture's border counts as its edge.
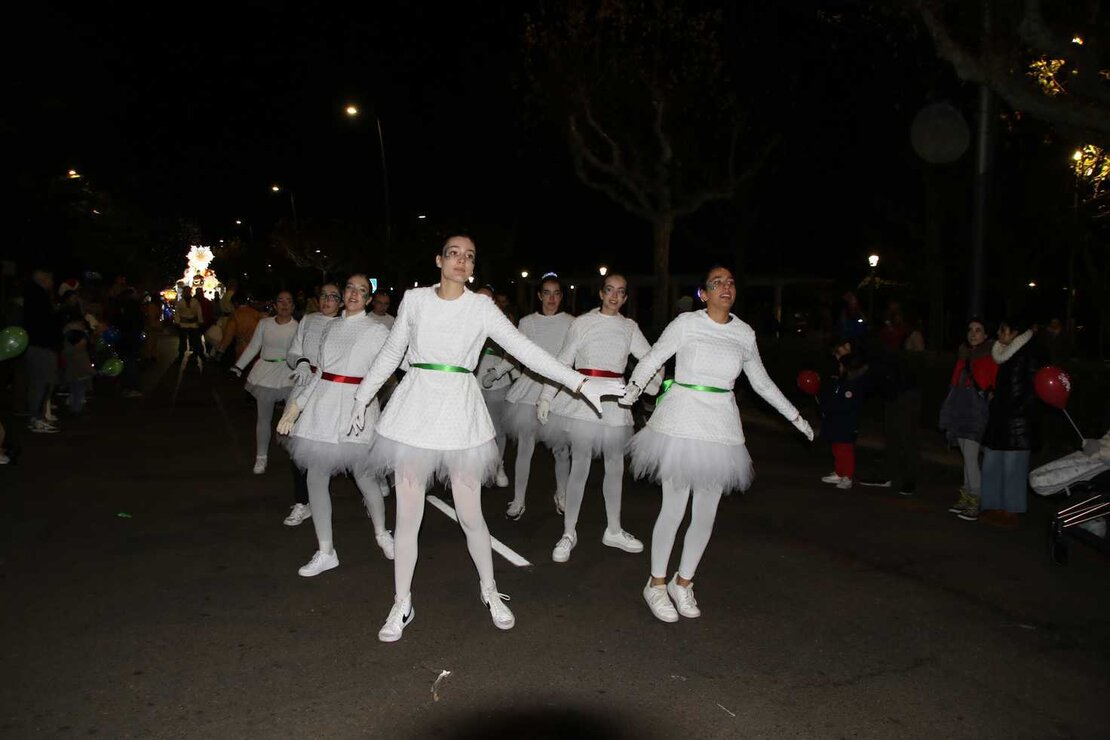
(260, 465)
(319, 563)
(561, 501)
(659, 603)
(400, 616)
(298, 514)
(683, 597)
(4, 459)
(566, 543)
(831, 478)
(502, 478)
(844, 484)
(515, 511)
(622, 541)
(38, 426)
(503, 619)
(385, 541)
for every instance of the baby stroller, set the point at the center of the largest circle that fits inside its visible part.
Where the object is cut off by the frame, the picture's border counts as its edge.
(1083, 475)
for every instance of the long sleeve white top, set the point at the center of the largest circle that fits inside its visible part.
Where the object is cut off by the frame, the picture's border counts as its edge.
(712, 354)
(597, 341)
(306, 342)
(348, 346)
(439, 410)
(270, 343)
(549, 332)
(385, 319)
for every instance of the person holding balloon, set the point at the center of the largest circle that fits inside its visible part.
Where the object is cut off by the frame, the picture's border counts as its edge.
(693, 445)
(841, 405)
(1012, 423)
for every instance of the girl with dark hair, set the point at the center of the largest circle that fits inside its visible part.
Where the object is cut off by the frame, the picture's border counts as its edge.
(548, 328)
(598, 344)
(317, 421)
(693, 445)
(436, 424)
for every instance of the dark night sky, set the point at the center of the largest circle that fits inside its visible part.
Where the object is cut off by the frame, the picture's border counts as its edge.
(195, 114)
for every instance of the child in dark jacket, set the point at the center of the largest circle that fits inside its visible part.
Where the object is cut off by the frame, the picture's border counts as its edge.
(841, 405)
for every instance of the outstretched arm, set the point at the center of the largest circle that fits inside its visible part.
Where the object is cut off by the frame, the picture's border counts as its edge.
(393, 351)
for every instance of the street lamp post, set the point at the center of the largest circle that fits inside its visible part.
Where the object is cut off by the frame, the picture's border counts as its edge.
(873, 262)
(353, 112)
(292, 206)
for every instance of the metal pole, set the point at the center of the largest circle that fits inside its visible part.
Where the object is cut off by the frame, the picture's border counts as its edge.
(293, 205)
(385, 182)
(984, 143)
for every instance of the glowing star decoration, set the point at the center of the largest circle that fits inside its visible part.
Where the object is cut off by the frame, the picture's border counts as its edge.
(198, 276)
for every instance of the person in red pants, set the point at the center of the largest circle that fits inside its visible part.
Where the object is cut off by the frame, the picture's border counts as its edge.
(841, 405)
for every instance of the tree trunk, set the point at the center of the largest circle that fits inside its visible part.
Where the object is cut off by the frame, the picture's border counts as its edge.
(662, 229)
(934, 261)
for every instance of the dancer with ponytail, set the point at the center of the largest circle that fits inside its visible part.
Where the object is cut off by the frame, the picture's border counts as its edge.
(598, 344)
(694, 442)
(436, 425)
(317, 422)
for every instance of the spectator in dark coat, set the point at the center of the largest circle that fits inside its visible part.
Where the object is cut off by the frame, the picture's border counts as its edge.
(841, 404)
(1011, 425)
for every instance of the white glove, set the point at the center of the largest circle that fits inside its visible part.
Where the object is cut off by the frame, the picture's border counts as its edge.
(594, 388)
(236, 371)
(358, 418)
(803, 427)
(543, 410)
(489, 377)
(302, 373)
(655, 384)
(289, 418)
(631, 393)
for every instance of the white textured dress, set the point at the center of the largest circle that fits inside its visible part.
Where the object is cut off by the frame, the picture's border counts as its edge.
(320, 437)
(436, 422)
(269, 379)
(595, 341)
(306, 342)
(695, 438)
(549, 332)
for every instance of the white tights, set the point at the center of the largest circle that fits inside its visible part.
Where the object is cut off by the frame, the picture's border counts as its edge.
(319, 499)
(263, 427)
(525, 446)
(410, 512)
(580, 461)
(671, 514)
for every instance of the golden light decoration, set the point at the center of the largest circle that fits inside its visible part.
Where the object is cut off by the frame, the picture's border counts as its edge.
(1044, 71)
(169, 294)
(198, 273)
(1092, 164)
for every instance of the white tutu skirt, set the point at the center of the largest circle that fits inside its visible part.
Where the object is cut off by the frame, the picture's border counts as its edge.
(266, 394)
(422, 466)
(690, 462)
(334, 457)
(519, 420)
(601, 439)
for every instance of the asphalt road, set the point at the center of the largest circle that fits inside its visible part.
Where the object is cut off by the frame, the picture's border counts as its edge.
(150, 590)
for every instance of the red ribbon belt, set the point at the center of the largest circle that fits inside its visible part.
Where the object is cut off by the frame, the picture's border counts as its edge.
(340, 378)
(599, 373)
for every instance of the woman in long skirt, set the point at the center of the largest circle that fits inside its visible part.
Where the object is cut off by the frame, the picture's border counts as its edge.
(597, 345)
(317, 422)
(694, 441)
(436, 425)
(269, 381)
(303, 358)
(548, 328)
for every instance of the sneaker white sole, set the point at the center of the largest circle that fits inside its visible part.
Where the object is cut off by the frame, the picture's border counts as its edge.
(297, 522)
(383, 637)
(304, 572)
(622, 545)
(514, 517)
(669, 617)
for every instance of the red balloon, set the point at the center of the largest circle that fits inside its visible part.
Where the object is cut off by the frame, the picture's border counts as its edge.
(809, 382)
(1053, 386)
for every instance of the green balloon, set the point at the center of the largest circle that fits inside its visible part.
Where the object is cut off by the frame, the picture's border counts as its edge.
(13, 341)
(112, 367)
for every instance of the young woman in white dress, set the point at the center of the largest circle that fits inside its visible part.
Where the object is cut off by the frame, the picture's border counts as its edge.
(436, 424)
(548, 328)
(597, 345)
(269, 381)
(303, 357)
(317, 420)
(694, 442)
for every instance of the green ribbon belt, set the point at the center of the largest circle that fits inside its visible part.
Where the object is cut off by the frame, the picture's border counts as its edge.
(280, 359)
(441, 368)
(704, 388)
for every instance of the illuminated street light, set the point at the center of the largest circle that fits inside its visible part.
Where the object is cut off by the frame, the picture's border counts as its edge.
(1032, 284)
(275, 188)
(73, 175)
(352, 110)
(524, 273)
(603, 270)
(422, 216)
(1077, 40)
(873, 261)
(238, 222)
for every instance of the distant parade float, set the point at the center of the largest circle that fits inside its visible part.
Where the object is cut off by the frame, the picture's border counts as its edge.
(198, 276)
